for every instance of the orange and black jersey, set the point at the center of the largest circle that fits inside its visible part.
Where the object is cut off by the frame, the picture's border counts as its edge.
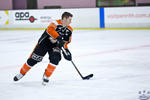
(48, 42)
(55, 29)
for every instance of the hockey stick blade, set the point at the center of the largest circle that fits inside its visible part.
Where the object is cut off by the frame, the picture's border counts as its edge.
(87, 77)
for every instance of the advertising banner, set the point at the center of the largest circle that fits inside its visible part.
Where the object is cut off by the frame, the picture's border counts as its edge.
(82, 18)
(127, 17)
(120, 17)
(31, 17)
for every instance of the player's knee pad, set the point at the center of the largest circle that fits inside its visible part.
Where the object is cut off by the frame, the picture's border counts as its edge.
(55, 57)
(31, 62)
(34, 59)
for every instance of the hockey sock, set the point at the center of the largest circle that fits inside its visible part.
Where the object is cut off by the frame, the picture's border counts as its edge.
(25, 68)
(49, 70)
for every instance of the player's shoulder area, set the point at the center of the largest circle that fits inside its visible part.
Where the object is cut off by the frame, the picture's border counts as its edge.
(70, 28)
(58, 22)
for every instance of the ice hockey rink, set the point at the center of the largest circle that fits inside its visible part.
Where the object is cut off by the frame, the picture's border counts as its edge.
(119, 60)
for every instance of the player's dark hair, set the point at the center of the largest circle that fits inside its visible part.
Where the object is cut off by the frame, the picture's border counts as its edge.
(66, 15)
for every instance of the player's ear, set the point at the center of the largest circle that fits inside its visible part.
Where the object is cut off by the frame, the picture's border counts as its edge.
(64, 18)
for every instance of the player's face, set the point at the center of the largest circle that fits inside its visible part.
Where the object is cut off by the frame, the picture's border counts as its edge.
(67, 21)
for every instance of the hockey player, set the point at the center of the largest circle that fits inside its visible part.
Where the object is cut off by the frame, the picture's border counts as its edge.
(57, 35)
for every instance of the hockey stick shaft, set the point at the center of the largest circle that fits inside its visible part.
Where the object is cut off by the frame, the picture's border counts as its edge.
(77, 69)
(72, 62)
(86, 77)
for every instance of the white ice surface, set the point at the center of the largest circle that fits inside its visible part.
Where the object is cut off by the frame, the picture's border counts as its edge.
(119, 60)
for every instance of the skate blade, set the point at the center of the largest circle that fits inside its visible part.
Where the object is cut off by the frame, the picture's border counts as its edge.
(44, 83)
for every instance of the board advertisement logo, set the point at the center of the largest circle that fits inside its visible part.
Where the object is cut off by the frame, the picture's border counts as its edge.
(24, 16)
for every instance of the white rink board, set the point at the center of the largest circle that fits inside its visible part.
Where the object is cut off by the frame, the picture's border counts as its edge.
(82, 18)
(119, 17)
(127, 17)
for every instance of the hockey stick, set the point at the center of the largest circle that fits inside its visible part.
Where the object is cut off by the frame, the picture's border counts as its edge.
(84, 78)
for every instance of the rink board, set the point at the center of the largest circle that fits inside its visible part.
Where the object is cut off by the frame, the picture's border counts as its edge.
(90, 18)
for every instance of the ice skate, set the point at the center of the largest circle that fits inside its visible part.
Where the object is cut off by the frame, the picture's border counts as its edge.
(45, 80)
(18, 77)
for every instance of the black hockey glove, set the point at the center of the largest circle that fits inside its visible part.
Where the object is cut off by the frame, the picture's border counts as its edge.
(67, 55)
(60, 42)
